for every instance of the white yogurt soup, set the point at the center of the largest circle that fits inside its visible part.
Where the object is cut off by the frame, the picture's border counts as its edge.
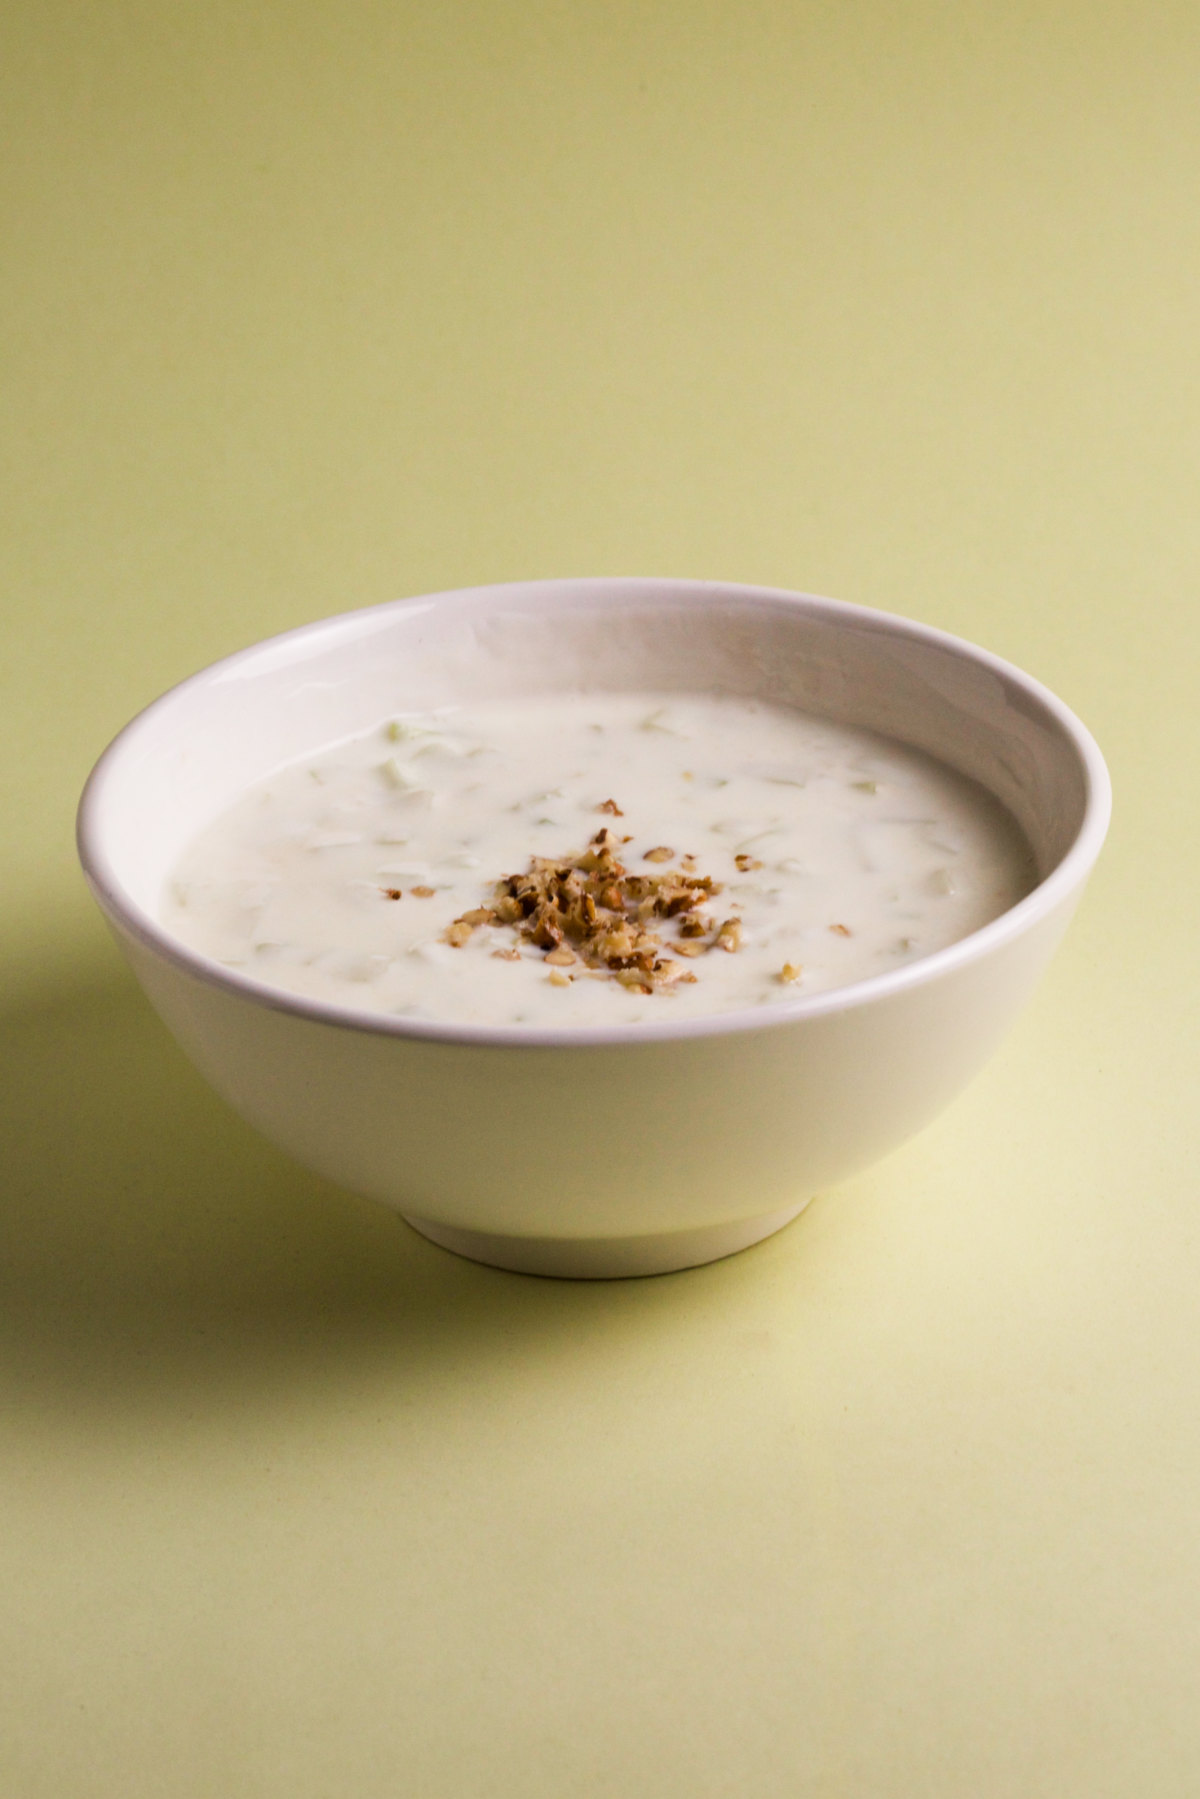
(595, 859)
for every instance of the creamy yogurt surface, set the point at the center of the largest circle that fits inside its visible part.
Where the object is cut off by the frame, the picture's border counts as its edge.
(816, 855)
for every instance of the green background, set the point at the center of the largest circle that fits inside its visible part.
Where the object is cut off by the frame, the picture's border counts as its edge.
(309, 306)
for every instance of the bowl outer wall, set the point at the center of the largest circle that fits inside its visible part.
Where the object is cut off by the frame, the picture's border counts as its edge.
(611, 1139)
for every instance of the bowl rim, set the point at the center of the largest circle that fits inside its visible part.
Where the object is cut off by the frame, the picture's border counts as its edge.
(129, 916)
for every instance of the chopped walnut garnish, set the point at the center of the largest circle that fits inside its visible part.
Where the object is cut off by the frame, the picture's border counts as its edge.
(391, 892)
(547, 935)
(611, 807)
(505, 955)
(841, 930)
(746, 864)
(458, 933)
(424, 892)
(790, 972)
(729, 937)
(558, 980)
(670, 972)
(661, 854)
(588, 909)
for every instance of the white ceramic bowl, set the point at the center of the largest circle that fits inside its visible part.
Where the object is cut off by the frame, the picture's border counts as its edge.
(621, 1150)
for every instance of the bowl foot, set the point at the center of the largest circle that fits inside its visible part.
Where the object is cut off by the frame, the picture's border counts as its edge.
(606, 1258)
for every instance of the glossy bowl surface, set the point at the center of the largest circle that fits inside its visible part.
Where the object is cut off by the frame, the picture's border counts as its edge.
(614, 1150)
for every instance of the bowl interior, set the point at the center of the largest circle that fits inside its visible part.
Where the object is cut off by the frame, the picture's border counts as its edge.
(194, 751)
